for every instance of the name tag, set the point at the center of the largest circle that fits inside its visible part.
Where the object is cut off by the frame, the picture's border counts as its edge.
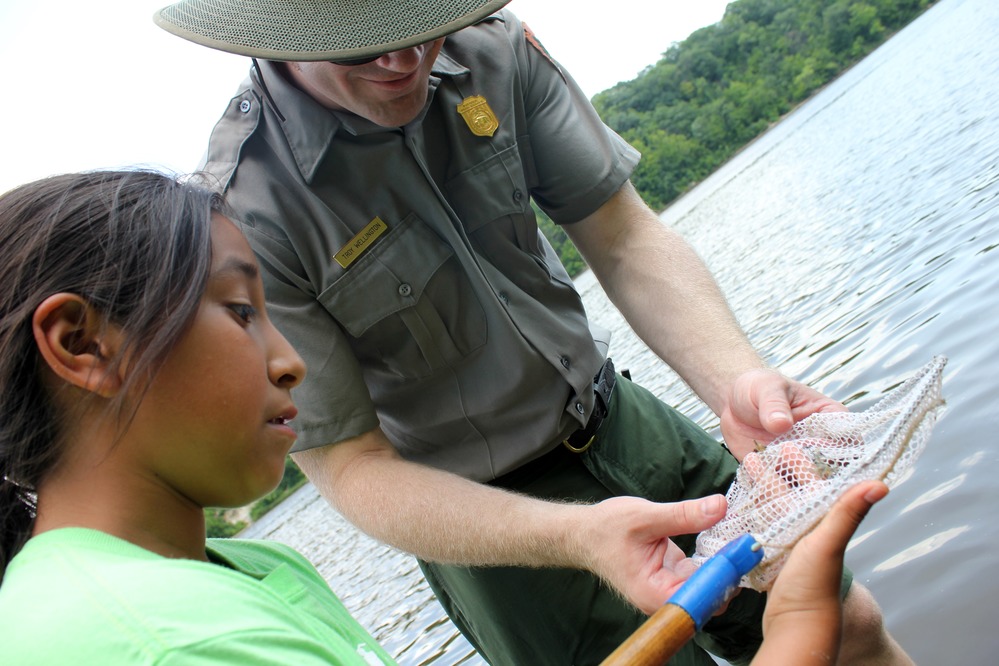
(360, 243)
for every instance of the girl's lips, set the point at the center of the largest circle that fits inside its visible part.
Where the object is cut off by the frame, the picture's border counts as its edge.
(281, 426)
(284, 418)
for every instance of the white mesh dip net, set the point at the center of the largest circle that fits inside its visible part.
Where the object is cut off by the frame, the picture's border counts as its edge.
(783, 490)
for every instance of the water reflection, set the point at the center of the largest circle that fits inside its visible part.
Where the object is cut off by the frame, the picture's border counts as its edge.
(922, 548)
(935, 493)
(861, 536)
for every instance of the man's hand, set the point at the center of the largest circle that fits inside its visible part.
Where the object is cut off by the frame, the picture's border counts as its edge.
(627, 544)
(763, 404)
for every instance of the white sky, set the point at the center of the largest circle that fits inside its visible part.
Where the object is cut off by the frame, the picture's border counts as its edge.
(96, 85)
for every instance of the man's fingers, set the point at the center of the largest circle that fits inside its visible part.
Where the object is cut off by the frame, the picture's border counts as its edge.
(775, 409)
(753, 467)
(692, 515)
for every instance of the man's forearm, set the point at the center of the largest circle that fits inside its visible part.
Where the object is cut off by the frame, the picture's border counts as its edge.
(680, 312)
(442, 517)
(667, 295)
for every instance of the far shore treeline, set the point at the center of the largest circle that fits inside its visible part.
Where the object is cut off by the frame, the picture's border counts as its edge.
(707, 97)
(720, 88)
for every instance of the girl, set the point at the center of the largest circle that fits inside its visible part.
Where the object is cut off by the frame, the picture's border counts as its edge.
(141, 381)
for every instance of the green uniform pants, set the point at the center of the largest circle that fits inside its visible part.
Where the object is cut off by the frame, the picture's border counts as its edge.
(541, 617)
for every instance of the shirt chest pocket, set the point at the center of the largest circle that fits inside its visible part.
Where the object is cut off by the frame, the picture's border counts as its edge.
(407, 305)
(495, 192)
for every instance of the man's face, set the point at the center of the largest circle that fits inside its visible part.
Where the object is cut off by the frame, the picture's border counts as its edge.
(389, 91)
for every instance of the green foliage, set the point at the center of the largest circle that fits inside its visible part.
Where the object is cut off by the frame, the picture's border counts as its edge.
(725, 84)
(217, 527)
(216, 524)
(561, 243)
(670, 162)
(292, 480)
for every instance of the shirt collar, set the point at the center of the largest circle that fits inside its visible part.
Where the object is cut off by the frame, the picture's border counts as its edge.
(447, 66)
(308, 126)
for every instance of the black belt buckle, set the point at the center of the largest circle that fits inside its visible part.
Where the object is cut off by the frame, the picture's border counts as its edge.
(603, 387)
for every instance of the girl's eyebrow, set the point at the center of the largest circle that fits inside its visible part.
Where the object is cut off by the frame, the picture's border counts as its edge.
(236, 265)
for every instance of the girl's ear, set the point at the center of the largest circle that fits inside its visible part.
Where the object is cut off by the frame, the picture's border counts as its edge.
(77, 344)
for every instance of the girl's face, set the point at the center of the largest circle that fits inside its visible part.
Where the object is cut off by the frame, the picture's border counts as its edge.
(213, 425)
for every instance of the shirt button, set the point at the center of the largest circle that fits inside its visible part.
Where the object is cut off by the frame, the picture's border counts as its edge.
(244, 106)
(580, 408)
(405, 289)
(504, 297)
(565, 362)
(517, 195)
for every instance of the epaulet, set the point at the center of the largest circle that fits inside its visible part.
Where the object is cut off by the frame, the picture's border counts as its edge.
(532, 39)
(238, 122)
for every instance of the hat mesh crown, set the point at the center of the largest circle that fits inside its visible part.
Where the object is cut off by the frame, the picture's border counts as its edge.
(296, 29)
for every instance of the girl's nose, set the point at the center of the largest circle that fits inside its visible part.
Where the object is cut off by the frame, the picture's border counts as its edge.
(285, 367)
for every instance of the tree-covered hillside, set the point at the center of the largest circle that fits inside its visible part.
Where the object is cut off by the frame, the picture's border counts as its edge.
(714, 92)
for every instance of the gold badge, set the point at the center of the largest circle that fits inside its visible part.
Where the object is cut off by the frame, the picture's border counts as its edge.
(478, 116)
(360, 243)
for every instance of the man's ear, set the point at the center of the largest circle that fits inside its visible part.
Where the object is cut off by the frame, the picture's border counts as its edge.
(77, 344)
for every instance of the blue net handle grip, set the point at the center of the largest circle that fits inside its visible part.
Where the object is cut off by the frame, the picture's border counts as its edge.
(717, 578)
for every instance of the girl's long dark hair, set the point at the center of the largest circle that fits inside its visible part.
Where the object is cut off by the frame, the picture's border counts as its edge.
(137, 246)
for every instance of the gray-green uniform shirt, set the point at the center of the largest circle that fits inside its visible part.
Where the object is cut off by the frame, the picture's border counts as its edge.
(457, 330)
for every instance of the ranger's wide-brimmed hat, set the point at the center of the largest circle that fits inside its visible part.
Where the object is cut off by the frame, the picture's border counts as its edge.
(319, 29)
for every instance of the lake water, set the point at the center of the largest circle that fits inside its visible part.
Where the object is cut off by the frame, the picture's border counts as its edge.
(854, 241)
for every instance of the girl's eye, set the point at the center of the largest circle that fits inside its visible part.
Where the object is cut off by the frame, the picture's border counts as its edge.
(244, 311)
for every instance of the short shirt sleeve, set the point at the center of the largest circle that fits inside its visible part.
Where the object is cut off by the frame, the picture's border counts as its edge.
(337, 405)
(580, 162)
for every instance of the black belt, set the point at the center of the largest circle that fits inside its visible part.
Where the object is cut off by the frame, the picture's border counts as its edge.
(603, 387)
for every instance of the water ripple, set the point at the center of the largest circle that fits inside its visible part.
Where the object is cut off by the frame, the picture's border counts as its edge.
(922, 548)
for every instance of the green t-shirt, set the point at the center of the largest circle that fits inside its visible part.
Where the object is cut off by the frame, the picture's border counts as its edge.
(79, 596)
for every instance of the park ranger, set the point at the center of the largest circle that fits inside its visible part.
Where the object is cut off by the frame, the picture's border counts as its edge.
(382, 157)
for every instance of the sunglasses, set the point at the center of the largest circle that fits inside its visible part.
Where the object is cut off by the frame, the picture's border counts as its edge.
(357, 61)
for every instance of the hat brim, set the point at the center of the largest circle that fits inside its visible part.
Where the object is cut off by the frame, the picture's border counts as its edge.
(319, 29)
